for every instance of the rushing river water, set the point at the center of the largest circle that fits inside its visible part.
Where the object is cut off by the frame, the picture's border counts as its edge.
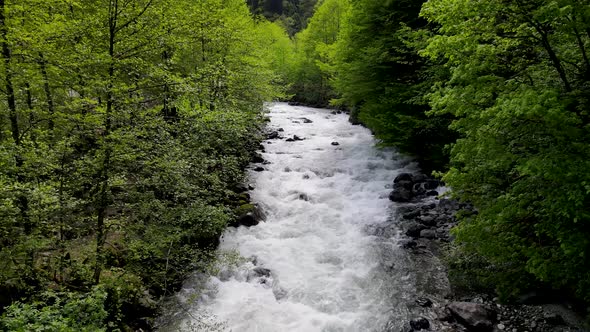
(332, 267)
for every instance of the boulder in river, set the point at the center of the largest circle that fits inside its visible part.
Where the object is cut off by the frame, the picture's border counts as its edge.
(261, 271)
(248, 215)
(408, 244)
(552, 318)
(428, 234)
(427, 220)
(297, 138)
(257, 158)
(420, 324)
(414, 230)
(403, 177)
(476, 317)
(335, 143)
(431, 184)
(424, 302)
(273, 135)
(401, 195)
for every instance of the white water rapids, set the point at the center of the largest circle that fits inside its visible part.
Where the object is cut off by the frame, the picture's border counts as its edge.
(329, 269)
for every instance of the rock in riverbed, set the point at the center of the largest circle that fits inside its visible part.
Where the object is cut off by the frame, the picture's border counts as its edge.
(476, 317)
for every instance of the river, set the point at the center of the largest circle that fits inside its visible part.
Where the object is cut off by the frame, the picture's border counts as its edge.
(329, 242)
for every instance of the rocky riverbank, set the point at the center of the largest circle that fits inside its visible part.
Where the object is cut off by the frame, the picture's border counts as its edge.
(426, 221)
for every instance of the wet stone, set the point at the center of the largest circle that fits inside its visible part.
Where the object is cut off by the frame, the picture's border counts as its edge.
(420, 324)
(408, 244)
(403, 177)
(428, 234)
(424, 302)
(427, 220)
(414, 230)
(411, 214)
(257, 158)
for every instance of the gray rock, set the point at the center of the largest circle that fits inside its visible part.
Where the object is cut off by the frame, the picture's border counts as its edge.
(448, 205)
(303, 197)
(444, 315)
(297, 138)
(261, 271)
(257, 159)
(443, 219)
(407, 209)
(427, 220)
(403, 184)
(251, 215)
(279, 292)
(419, 177)
(411, 215)
(419, 324)
(401, 195)
(428, 206)
(403, 177)
(431, 184)
(428, 234)
(273, 135)
(414, 230)
(424, 302)
(476, 317)
(408, 244)
(552, 318)
(306, 120)
(335, 143)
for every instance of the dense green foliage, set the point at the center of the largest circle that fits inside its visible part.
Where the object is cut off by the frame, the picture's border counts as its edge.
(291, 14)
(519, 85)
(492, 93)
(310, 74)
(124, 125)
(379, 75)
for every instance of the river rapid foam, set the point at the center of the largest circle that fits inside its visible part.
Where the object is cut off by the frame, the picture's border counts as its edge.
(316, 264)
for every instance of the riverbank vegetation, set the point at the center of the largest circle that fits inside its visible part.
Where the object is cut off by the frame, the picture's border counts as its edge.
(124, 127)
(494, 96)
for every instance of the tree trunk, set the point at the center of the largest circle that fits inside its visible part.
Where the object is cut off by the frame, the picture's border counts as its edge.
(104, 181)
(6, 57)
(48, 95)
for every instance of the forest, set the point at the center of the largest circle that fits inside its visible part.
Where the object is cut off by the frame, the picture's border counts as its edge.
(492, 96)
(126, 126)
